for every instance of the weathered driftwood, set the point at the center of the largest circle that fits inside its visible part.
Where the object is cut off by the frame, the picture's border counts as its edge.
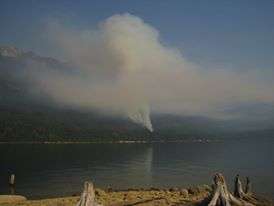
(239, 192)
(221, 195)
(88, 196)
(238, 189)
(12, 180)
(248, 186)
(12, 184)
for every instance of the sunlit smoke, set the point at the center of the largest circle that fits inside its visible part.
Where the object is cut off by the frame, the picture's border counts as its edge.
(122, 66)
(142, 116)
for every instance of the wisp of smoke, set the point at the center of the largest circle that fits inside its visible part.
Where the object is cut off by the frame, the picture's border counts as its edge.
(141, 117)
(122, 67)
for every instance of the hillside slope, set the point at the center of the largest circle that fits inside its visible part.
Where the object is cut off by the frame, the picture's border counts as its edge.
(26, 113)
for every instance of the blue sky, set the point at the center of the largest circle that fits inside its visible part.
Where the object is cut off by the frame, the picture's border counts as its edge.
(235, 34)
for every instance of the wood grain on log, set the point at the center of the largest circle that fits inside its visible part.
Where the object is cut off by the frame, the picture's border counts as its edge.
(12, 180)
(88, 196)
(221, 195)
(248, 186)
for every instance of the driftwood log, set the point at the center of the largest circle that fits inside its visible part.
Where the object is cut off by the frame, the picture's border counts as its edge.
(88, 196)
(12, 180)
(222, 197)
(248, 186)
(12, 184)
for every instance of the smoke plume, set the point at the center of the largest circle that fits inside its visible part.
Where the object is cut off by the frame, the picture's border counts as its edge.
(123, 68)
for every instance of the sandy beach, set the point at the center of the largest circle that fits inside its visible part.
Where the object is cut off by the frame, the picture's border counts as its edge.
(129, 197)
(199, 195)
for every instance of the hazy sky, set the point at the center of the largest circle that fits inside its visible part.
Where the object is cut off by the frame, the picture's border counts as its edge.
(234, 34)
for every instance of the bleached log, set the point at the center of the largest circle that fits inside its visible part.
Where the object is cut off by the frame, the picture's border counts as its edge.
(215, 198)
(238, 190)
(248, 186)
(12, 184)
(88, 196)
(12, 180)
(221, 195)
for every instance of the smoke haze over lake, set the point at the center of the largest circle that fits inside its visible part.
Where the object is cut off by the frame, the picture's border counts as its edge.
(123, 67)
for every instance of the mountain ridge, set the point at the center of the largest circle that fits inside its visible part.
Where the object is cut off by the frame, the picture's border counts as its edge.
(29, 114)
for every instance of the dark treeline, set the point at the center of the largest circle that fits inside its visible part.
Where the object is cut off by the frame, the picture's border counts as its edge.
(45, 123)
(42, 123)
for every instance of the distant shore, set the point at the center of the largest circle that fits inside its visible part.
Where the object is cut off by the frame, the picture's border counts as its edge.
(111, 142)
(124, 141)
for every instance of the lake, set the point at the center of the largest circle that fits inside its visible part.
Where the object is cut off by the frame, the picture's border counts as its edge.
(50, 170)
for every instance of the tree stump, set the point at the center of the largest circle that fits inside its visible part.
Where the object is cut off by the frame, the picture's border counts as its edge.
(88, 196)
(238, 189)
(12, 180)
(12, 184)
(248, 186)
(221, 195)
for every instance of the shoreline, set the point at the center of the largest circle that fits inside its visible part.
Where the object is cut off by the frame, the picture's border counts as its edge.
(112, 142)
(121, 141)
(132, 196)
(193, 196)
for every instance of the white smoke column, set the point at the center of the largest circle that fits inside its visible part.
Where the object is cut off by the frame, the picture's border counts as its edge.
(114, 63)
(142, 116)
(122, 66)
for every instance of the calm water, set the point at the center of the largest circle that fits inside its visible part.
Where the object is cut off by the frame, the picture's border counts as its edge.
(57, 170)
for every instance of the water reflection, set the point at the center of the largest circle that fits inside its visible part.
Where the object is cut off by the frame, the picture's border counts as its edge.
(54, 170)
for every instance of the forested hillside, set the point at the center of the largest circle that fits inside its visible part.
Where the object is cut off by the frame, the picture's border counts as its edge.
(27, 114)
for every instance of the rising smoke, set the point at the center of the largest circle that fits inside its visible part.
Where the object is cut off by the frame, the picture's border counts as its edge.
(123, 68)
